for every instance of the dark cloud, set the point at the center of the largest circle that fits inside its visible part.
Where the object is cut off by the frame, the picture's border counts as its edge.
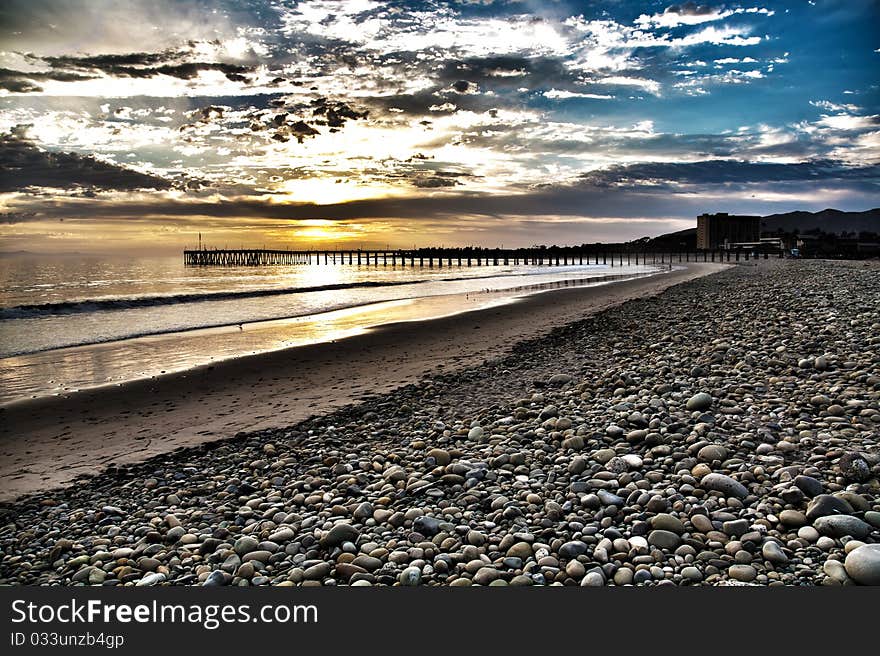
(23, 165)
(26, 82)
(143, 64)
(434, 182)
(109, 61)
(724, 171)
(689, 9)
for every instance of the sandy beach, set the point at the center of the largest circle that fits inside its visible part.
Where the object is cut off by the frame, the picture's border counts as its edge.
(48, 442)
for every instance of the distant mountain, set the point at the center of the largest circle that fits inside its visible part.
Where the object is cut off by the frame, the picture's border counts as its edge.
(680, 240)
(830, 221)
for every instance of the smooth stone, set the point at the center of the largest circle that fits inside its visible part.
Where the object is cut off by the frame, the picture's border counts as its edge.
(825, 505)
(572, 549)
(282, 535)
(603, 456)
(724, 484)
(699, 401)
(836, 570)
(664, 539)
(808, 485)
(657, 504)
(609, 499)
(839, 526)
(577, 465)
(773, 553)
(691, 573)
(667, 522)
(155, 578)
(574, 442)
(712, 452)
(246, 570)
(593, 580)
(338, 534)
(736, 527)
(475, 433)
(215, 578)
(485, 575)
(808, 533)
(744, 573)
(873, 518)
(426, 525)
(623, 576)
(863, 564)
(260, 556)
(702, 523)
(440, 456)
(411, 576)
(317, 572)
(521, 550)
(367, 562)
(575, 570)
(245, 544)
(794, 518)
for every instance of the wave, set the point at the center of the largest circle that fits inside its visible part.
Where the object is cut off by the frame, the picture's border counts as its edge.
(135, 302)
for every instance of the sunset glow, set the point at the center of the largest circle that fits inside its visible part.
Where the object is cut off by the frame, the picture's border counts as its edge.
(421, 123)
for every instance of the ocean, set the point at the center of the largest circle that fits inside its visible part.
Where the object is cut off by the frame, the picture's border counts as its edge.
(73, 322)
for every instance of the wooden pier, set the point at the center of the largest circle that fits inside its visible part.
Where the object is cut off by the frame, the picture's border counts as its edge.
(457, 257)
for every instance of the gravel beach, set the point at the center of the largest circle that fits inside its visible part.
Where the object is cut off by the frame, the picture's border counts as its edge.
(723, 432)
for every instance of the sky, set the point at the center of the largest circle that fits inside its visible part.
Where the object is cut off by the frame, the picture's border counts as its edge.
(138, 126)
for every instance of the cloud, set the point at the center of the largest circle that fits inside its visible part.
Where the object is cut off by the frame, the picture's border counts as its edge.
(834, 107)
(23, 165)
(561, 94)
(26, 82)
(849, 122)
(147, 65)
(727, 171)
(691, 13)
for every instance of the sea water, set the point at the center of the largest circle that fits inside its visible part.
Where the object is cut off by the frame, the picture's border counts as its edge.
(71, 322)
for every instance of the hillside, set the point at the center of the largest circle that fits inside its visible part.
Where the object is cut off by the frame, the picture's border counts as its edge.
(829, 220)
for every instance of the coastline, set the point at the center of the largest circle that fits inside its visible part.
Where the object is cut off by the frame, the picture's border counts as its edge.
(49, 441)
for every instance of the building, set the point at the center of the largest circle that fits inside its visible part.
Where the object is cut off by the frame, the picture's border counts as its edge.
(720, 230)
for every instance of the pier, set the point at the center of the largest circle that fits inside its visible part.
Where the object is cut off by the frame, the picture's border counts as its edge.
(458, 257)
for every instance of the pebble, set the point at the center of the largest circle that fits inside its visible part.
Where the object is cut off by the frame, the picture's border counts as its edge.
(338, 534)
(842, 525)
(593, 580)
(744, 573)
(773, 553)
(664, 539)
(724, 484)
(863, 564)
(699, 401)
(154, 578)
(411, 576)
(826, 504)
(667, 522)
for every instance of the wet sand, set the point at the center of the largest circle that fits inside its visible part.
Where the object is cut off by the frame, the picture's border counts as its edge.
(48, 442)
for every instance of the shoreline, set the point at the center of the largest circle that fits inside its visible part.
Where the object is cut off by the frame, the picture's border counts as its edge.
(49, 441)
(75, 368)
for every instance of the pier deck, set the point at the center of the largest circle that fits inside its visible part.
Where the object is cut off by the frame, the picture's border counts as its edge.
(431, 257)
